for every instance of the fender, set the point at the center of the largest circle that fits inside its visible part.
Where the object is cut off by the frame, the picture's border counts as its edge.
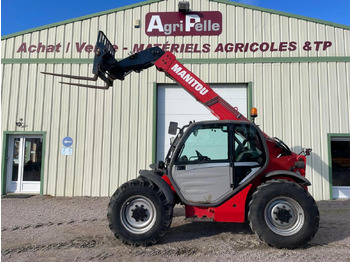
(160, 183)
(295, 176)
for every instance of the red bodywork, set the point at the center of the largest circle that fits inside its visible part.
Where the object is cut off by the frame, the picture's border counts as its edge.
(232, 210)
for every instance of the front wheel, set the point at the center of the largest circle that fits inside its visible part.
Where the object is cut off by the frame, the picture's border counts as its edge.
(283, 214)
(139, 213)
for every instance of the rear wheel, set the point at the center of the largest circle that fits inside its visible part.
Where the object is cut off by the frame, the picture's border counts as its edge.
(139, 213)
(283, 214)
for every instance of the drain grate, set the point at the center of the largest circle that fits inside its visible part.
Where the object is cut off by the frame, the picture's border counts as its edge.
(17, 196)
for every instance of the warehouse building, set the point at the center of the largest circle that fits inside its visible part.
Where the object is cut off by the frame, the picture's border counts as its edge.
(65, 140)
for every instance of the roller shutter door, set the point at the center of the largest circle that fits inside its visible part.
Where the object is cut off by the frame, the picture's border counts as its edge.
(175, 104)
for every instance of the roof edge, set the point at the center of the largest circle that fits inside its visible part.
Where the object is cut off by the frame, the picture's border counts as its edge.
(262, 9)
(315, 20)
(147, 2)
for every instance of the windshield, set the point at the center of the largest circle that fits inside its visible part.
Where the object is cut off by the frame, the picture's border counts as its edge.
(283, 146)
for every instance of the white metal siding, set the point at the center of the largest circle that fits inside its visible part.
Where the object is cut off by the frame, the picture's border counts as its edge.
(240, 25)
(113, 130)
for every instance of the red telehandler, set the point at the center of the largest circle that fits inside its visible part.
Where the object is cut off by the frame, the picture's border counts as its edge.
(222, 171)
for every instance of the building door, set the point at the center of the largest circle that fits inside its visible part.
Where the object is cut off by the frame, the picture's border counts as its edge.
(24, 164)
(340, 153)
(175, 104)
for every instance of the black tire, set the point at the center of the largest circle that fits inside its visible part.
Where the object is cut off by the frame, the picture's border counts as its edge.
(139, 213)
(283, 214)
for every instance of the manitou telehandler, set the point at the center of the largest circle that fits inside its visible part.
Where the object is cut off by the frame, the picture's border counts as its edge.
(222, 171)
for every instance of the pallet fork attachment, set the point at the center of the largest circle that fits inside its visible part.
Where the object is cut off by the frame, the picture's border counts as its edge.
(79, 78)
(107, 68)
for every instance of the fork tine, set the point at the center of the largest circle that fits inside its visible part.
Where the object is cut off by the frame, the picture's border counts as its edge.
(88, 86)
(73, 77)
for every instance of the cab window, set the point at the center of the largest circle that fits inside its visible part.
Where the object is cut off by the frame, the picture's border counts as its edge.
(205, 144)
(247, 144)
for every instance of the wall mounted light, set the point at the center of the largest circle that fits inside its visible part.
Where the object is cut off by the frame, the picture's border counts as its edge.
(20, 123)
(137, 23)
(184, 7)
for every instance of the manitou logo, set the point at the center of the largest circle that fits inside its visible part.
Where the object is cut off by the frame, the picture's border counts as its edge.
(178, 24)
(186, 76)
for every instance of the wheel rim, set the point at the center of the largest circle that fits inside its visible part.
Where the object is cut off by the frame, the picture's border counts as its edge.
(138, 214)
(284, 216)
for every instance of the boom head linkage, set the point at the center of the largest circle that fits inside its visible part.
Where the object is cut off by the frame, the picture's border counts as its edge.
(107, 68)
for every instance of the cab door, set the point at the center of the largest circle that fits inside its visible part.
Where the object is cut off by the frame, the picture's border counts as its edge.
(249, 153)
(202, 170)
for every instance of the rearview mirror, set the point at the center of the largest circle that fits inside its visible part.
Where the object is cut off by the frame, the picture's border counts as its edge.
(172, 128)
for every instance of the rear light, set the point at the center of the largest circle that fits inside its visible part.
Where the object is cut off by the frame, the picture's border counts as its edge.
(299, 164)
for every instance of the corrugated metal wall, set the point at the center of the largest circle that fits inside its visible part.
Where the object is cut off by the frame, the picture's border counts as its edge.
(112, 130)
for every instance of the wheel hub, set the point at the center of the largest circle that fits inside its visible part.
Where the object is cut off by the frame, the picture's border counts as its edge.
(139, 213)
(282, 213)
(284, 216)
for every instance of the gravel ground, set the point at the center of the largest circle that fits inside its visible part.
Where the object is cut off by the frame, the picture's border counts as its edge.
(43, 228)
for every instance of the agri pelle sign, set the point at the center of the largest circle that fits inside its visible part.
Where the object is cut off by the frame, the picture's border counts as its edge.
(178, 24)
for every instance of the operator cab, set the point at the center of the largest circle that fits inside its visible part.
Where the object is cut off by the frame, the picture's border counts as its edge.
(212, 160)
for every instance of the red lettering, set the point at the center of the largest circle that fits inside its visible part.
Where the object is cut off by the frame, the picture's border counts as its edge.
(206, 48)
(283, 46)
(68, 45)
(327, 44)
(246, 47)
(188, 48)
(166, 46)
(50, 48)
(80, 47)
(219, 48)
(32, 48)
(229, 47)
(272, 48)
(41, 48)
(22, 48)
(138, 48)
(264, 47)
(182, 48)
(252, 47)
(196, 50)
(174, 48)
(318, 43)
(89, 48)
(239, 46)
(58, 46)
(148, 46)
(292, 46)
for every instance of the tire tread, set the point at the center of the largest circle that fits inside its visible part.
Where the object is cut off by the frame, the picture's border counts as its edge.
(140, 184)
(261, 233)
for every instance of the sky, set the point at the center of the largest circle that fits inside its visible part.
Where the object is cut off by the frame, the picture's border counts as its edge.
(19, 15)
